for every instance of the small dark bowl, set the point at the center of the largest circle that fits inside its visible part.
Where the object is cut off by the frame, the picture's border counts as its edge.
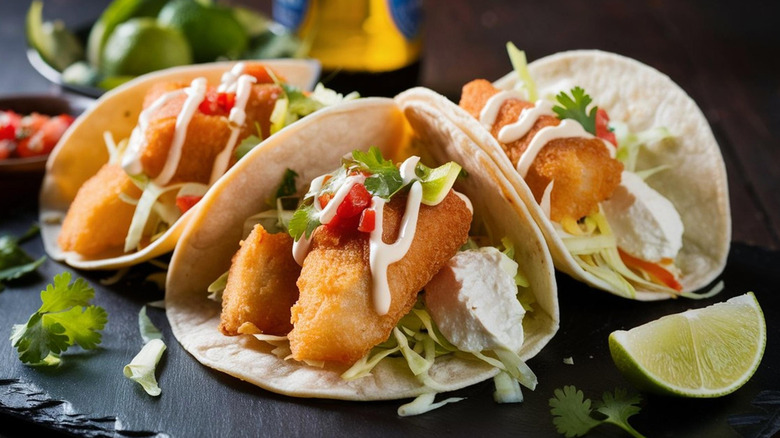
(44, 104)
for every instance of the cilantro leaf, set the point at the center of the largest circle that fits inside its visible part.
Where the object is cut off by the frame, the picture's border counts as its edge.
(14, 262)
(303, 221)
(573, 416)
(385, 179)
(286, 187)
(571, 412)
(576, 107)
(64, 319)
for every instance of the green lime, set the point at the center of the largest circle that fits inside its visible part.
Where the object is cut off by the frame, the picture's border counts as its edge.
(56, 45)
(117, 12)
(140, 45)
(706, 352)
(213, 31)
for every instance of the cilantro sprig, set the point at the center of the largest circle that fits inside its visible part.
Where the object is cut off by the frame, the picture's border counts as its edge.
(14, 262)
(64, 319)
(385, 179)
(576, 107)
(573, 415)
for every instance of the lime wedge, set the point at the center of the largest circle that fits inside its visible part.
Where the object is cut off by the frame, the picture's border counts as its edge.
(436, 183)
(56, 45)
(116, 13)
(706, 352)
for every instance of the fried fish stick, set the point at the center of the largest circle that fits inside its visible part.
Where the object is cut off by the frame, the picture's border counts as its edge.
(261, 285)
(582, 169)
(334, 317)
(207, 135)
(98, 219)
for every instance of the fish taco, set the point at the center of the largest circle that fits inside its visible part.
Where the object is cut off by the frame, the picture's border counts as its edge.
(119, 184)
(617, 165)
(363, 255)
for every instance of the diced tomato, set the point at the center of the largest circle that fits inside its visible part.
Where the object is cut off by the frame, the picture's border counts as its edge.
(53, 130)
(367, 220)
(654, 270)
(217, 104)
(348, 213)
(324, 199)
(602, 127)
(6, 148)
(9, 123)
(357, 200)
(186, 202)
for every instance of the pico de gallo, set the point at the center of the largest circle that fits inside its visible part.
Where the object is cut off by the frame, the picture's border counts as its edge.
(31, 135)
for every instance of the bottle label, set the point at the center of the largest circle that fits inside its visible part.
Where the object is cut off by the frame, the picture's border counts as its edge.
(407, 16)
(290, 13)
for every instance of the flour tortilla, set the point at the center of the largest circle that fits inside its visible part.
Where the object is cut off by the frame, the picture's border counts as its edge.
(313, 147)
(643, 98)
(82, 152)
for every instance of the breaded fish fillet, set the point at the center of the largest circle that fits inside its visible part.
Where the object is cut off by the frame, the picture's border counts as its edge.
(98, 219)
(334, 317)
(582, 169)
(261, 285)
(206, 136)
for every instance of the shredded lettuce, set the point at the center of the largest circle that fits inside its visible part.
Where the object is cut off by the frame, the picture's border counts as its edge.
(629, 143)
(141, 369)
(594, 247)
(424, 403)
(216, 288)
(520, 65)
(146, 327)
(507, 389)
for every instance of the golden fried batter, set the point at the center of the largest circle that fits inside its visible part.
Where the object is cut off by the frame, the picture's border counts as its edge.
(582, 169)
(206, 136)
(334, 317)
(97, 219)
(261, 285)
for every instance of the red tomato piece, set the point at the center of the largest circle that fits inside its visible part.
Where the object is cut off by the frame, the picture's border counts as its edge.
(9, 123)
(602, 128)
(186, 202)
(367, 220)
(6, 148)
(357, 200)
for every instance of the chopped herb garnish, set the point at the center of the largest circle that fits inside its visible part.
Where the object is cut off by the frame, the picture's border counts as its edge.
(14, 262)
(576, 107)
(64, 319)
(385, 179)
(286, 187)
(249, 143)
(304, 220)
(573, 416)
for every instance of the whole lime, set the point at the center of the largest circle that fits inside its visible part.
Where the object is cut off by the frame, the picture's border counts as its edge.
(140, 45)
(212, 31)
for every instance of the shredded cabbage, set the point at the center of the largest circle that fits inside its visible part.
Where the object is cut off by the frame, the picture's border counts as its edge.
(629, 143)
(424, 403)
(507, 389)
(520, 65)
(141, 369)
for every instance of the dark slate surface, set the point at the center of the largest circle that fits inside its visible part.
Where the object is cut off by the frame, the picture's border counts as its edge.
(88, 395)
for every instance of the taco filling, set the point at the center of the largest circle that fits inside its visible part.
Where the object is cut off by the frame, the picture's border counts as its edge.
(580, 168)
(187, 136)
(338, 281)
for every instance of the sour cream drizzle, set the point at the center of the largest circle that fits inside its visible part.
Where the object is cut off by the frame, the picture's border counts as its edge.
(236, 120)
(382, 255)
(196, 92)
(232, 81)
(528, 117)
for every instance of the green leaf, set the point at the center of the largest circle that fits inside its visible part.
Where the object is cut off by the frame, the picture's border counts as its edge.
(303, 221)
(247, 145)
(571, 412)
(573, 416)
(143, 366)
(286, 187)
(576, 107)
(60, 322)
(62, 295)
(14, 262)
(385, 179)
(618, 408)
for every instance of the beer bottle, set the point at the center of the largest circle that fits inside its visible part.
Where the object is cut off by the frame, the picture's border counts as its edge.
(370, 46)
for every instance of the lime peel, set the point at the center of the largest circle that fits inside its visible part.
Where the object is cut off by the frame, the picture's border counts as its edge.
(708, 352)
